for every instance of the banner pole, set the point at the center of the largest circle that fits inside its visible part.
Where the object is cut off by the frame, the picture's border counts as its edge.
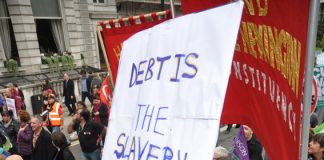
(309, 70)
(105, 56)
(172, 8)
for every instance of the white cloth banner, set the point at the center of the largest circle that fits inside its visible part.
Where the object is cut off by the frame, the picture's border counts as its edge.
(171, 87)
(11, 106)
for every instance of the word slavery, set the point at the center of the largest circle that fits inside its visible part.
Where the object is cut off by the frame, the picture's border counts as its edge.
(148, 120)
(260, 81)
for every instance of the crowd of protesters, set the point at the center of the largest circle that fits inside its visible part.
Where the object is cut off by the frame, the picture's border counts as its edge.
(41, 137)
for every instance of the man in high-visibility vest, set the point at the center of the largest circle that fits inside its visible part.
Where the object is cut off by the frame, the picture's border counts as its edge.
(55, 115)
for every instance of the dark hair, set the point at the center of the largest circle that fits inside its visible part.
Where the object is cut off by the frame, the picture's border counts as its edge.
(24, 116)
(83, 72)
(59, 140)
(96, 96)
(319, 138)
(46, 81)
(14, 84)
(8, 113)
(85, 114)
(90, 72)
(82, 103)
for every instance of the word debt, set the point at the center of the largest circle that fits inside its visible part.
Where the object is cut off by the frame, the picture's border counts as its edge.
(134, 149)
(153, 68)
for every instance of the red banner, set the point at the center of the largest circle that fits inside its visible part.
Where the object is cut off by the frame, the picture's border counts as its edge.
(114, 37)
(265, 87)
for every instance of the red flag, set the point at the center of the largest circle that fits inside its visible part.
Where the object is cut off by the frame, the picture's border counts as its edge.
(265, 86)
(189, 6)
(105, 92)
(114, 37)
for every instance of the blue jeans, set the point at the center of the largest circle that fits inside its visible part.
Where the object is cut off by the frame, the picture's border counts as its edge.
(95, 155)
(56, 129)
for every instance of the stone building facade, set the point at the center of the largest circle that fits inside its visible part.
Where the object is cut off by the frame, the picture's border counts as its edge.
(28, 24)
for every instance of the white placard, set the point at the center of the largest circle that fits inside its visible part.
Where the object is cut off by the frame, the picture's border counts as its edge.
(11, 106)
(171, 86)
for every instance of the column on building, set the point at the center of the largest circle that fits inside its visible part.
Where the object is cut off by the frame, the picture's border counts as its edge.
(25, 34)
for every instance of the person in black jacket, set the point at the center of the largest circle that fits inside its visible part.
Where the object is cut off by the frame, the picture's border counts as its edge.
(43, 148)
(254, 146)
(63, 152)
(68, 93)
(11, 127)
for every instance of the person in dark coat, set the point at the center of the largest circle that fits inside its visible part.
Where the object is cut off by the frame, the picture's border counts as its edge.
(25, 136)
(254, 146)
(43, 148)
(99, 111)
(11, 127)
(63, 152)
(68, 93)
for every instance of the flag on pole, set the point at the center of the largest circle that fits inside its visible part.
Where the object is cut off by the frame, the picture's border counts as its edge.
(171, 87)
(240, 148)
(265, 86)
(115, 36)
(105, 92)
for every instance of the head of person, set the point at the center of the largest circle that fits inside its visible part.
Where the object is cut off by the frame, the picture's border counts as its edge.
(7, 116)
(10, 86)
(24, 117)
(59, 140)
(85, 115)
(220, 152)
(77, 114)
(36, 122)
(51, 98)
(90, 73)
(248, 132)
(316, 145)
(66, 76)
(14, 157)
(45, 82)
(80, 105)
(15, 85)
(8, 92)
(44, 92)
(96, 99)
(83, 73)
(95, 90)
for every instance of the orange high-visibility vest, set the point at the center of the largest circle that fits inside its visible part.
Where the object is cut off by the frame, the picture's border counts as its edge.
(54, 116)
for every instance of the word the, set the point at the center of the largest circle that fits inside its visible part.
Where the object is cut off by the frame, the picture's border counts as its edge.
(145, 70)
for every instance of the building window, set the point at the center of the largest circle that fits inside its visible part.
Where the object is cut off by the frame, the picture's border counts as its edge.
(48, 25)
(98, 1)
(8, 45)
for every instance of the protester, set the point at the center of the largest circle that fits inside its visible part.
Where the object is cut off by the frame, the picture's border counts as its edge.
(11, 127)
(12, 93)
(15, 157)
(1, 104)
(47, 86)
(316, 147)
(42, 142)
(254, 146)
(21, 94)
(63, 152)
(96, 81)
(89, 134)
(68, 93)
(85, 90)
(80, 105)
(55, 115)
(25, 136)
(99, 111)
(220, 152)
